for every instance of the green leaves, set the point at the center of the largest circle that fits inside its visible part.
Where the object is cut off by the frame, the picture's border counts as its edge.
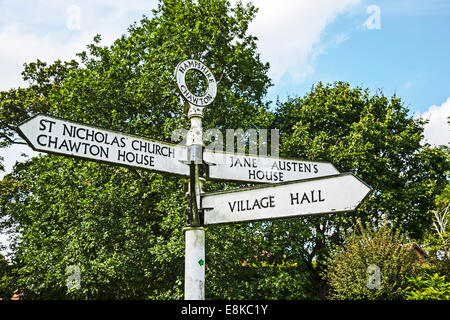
(104, 220)
(122, 227)
(384, 248)
(429, 287)
(373, 137)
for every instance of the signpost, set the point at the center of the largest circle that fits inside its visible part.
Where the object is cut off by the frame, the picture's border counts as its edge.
(65, 137)
(260, 169)
(194, 261)
(331, 194)
(295, 187)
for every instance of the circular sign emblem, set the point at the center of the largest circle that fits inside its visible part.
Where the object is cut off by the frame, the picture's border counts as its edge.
(180, 75)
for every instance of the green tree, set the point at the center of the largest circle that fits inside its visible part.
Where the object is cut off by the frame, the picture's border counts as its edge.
(16, 105)
(353, 267)
(120, 232)
(372, 136)
(437, 242)
(123, 227)
(6, 279)
(258, 261)
(433, 281)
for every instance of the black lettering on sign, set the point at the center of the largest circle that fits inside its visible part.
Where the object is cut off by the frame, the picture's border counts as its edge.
(52, 143)
(70, 131)
(43, 126)
(307, 197)
(68, 145)
(295, 166)
(115, 141)
(136, 158)
(243, 162)
(92, 135)
(265, 175)
(252, 204)
(41, 142)
(152, 148)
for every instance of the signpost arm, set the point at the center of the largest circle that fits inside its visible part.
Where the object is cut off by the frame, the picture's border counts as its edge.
(194, 279)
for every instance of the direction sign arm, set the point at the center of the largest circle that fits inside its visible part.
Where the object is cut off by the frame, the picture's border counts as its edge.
(60, 136)
(322, 195)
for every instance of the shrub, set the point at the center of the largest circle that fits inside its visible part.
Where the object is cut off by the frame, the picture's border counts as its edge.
(372, 265)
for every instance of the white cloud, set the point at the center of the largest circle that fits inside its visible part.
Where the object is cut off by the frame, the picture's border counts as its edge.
(24, 47)
(41, 30)
(437, 130)
(290, 30)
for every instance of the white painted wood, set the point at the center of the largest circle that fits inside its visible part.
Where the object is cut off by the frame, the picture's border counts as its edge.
(194, 264)
(337, 193)
(65, 137)
(260, 169)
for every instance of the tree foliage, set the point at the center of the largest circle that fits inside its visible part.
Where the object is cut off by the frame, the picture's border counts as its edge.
(437, 242)
(429, 287)
(349, 273)
(372, 136)
(16, 105)
(7, 281)
(123, 227)
(120, 232)
(257, 261)
(130, 85)
(432, 282)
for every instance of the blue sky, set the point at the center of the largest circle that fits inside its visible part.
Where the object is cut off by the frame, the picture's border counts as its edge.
(408, 55)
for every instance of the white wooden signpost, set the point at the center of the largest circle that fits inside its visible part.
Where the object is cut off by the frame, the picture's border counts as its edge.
(261, 169)
(331, 194)
(292, 187)
(65, 137)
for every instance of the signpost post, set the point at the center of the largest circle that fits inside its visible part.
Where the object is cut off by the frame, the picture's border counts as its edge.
(194, 271)
(294, 187)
